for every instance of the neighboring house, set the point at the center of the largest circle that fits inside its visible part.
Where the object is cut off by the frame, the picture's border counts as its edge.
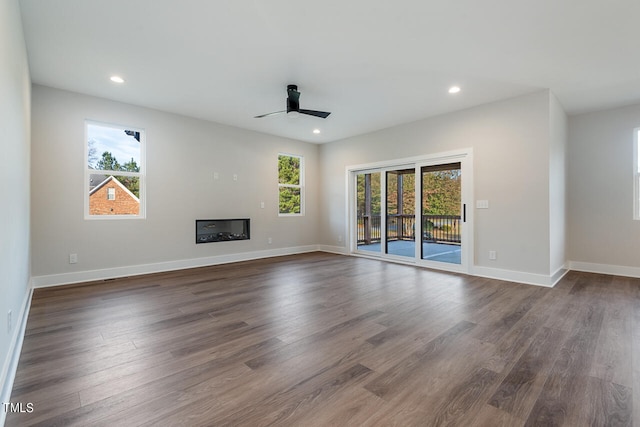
(110, 197)
(95, 180)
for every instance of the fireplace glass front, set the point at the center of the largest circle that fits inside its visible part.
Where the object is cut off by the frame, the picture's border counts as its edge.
(222, 230)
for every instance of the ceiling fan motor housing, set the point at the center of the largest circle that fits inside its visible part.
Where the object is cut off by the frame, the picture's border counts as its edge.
(293, 98)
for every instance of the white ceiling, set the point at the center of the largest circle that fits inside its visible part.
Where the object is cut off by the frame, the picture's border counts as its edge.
(372, 63)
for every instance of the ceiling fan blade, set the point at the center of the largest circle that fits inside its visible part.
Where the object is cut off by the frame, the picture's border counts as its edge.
(269, 114)
(322, 114)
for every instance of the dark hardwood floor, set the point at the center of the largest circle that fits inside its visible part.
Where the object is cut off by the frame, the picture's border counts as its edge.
(329, 340)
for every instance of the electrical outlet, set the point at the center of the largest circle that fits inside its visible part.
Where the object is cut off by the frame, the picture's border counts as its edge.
(9, 322)
(216, 176)
(493, 255)
(269, 240)
(339, 239)
(261, 205)
(73, 258)
(235, 176)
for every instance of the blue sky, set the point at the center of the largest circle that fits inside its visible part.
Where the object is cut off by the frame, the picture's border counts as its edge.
(122, 146)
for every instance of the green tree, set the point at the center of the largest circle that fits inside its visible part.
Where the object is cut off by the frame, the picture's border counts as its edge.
(375, 193)
(108, 162)
(289, 179)
(130, 166)
(407, 189)
(289, 200)
(132, 183)
(441, 192)
(288, 170)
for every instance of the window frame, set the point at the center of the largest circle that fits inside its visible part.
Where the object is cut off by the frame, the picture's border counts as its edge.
(141, 174)
(299, 186)
(636, 174)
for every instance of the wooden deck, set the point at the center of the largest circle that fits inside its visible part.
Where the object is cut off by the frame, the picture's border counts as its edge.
(329, 340)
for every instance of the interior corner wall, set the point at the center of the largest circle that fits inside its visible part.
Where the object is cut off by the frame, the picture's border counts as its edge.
(601, 228)
(558, 129)
(15, 98)
(181, 157)
(510, 141)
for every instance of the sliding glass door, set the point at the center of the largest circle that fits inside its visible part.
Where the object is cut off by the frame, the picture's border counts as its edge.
(368, 202)
(400, 213)
(413, 213)
(441, 199)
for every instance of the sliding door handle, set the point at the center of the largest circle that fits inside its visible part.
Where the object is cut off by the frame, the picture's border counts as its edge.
(464, 212)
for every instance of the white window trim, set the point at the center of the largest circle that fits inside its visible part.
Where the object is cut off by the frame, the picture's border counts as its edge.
(301, 186)
(141, 174)
(636, 174)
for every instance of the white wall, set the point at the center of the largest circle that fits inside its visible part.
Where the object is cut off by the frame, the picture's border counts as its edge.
(558, 128)
(510, 141)
(15, 125)
(600, 198)
(182, 155)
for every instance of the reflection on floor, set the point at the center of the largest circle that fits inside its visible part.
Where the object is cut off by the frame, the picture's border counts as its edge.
(441, 252)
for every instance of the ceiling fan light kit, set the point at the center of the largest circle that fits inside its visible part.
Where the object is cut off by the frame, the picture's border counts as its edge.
(293, 106)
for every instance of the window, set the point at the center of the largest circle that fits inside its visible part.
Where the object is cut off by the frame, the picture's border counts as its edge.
(114, 175)
(290, 184)
(636, 175)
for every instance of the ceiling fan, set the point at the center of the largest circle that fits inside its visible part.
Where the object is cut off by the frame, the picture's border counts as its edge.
(293, 106)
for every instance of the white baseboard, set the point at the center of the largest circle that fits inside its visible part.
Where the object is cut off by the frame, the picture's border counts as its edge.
(519, 276)
(135, 270)
(488, 272)
(492, 273)
(340, 250)
(615, 270)
(559, 274)
(10, 365)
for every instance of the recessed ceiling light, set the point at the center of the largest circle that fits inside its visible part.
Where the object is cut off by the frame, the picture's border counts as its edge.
(454, 89)
(316, 131)
(117, 79)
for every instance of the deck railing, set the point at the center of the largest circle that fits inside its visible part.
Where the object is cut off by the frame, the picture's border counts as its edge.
(369, 229)
(435, 228)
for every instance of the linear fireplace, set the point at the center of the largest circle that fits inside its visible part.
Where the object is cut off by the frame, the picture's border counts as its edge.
(221, 230)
